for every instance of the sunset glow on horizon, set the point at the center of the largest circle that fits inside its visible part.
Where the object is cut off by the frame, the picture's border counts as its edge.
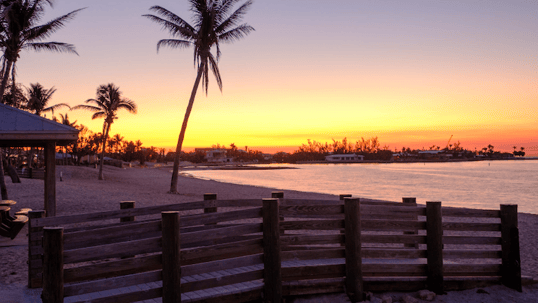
(412, 73)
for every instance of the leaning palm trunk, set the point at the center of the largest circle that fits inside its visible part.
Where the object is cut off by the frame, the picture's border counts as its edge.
(175, 172)
(103, 153)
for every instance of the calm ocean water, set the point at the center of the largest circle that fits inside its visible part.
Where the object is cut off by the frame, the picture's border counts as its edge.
(484, 184)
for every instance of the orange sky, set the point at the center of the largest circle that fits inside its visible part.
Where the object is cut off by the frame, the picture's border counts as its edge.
(412, 73)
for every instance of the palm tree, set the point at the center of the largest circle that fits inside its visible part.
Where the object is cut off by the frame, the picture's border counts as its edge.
(19, 30)
(214, 22)
(38, 97)
(108, 101)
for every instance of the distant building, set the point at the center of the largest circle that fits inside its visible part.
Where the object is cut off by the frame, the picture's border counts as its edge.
(217, 156)
(344, 158)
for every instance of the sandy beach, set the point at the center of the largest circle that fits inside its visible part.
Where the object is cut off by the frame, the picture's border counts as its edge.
(81, 192)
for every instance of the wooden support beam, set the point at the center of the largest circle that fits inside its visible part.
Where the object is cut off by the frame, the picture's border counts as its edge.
(271, 249)
(53, 263)
(210, 197)
(354, 279)
(434, 241)
(171, 257)
(511, 263)
(50, 179)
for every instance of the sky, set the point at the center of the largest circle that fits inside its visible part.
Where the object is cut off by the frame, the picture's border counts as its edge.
(412, 73)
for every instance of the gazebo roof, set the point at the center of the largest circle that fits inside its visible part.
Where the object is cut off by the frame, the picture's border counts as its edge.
(20, 128)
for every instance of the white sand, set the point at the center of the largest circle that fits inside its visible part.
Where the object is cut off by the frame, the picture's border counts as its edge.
(81, 192)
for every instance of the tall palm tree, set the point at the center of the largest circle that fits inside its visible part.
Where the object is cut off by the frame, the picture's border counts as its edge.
(214, 22)
(19, 30)
(108, 101)
(38, 99)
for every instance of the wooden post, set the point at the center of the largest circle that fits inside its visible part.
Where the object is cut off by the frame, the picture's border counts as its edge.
(343, 196)
(271, 251)
(35, 279)
(434, 240)
(511, 263)
(414, 217)
(53, 263)
(127, 205)
(50, 179)
(354, 281)
(171, 257)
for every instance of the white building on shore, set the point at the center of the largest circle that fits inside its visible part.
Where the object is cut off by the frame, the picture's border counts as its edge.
(344, 158)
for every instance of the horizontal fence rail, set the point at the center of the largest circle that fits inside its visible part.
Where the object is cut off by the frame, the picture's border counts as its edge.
(235, 250)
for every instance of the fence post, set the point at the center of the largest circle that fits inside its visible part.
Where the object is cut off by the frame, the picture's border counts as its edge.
(53, 263)
(511, 263)
(127, 205)
(434, 241)
(271, 251)
(411, 202)
(35, 280)
(171, 257)
(210, 197)
(354, 281)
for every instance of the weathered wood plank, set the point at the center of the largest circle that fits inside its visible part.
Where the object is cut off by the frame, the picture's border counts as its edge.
(213, 217)
(471, 254)
(315, 286)
(471, 226)
(220, 233)
(112, 283)
(116, 250)
(116, 214)
(312, 225)
(393, 253)
(253, 294)
(473, 213)
(313, 272)
(114, 234)
(382, 225)
(320, 253)
(466, 240)
(113, 268)
(311, 239)
(308, 202)
(221, 251)
(472, 269)
(134, 296)
(311, 210)
(383, 269)
(222, 281)
(200, 268)
(391, 239)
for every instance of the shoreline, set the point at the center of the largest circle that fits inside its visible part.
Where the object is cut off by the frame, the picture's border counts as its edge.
(81, 192)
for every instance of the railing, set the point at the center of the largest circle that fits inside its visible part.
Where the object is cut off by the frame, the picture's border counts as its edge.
(278, 247)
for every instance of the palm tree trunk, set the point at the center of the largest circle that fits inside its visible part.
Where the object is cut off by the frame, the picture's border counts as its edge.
(103, 153)
(5, 76)
(3, 187)
(175, 172)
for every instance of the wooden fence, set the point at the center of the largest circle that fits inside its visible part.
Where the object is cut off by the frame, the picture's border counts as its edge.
(241, 250)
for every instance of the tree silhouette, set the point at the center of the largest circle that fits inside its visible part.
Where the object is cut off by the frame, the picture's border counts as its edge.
(38, 99)
(214, 22)
(106, 105)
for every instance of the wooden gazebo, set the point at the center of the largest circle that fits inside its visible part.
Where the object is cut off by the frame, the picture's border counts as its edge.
(22, 129)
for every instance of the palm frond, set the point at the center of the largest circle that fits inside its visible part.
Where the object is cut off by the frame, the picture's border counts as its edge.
(169, 16)
(129, 105)
(236, 33)
(98, 115)
(41, 32)
(183, 30)
(233, 19)
(86, 107)
(52, 46)
(173, 43)
(216, 72)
